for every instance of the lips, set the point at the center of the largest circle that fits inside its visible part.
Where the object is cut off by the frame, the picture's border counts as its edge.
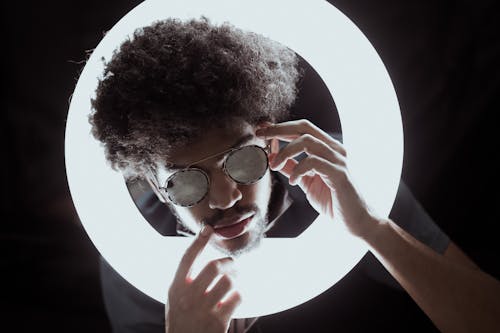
(232, 229)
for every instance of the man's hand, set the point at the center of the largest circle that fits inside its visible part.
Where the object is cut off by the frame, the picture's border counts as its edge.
(191, 308)
(456, 297)
(322, 175)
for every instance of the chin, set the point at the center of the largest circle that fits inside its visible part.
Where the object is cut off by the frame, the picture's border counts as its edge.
(239, 245)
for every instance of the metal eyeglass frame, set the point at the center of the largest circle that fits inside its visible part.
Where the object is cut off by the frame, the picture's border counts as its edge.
(229, 152)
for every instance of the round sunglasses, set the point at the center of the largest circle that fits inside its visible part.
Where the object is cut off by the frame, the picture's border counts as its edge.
(244, 165)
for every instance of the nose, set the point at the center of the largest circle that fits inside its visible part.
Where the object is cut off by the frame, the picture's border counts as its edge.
(224, 192)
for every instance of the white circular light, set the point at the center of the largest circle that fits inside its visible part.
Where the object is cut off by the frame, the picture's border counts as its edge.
(281, 273)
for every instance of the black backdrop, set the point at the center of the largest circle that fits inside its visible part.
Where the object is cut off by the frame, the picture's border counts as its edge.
(443, 57)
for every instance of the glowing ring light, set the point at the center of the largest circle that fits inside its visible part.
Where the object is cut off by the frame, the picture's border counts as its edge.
(282, 273)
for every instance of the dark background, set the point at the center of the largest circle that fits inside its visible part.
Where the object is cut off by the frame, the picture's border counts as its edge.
(443, 57)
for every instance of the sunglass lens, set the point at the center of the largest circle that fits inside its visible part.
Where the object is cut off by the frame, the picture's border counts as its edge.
(247, 165)
(187, 187)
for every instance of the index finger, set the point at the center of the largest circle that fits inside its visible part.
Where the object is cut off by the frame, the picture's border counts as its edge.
(291, 130)
(192, 253)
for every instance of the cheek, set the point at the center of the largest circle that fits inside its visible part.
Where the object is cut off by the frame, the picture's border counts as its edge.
(189, 218)
(259, 193)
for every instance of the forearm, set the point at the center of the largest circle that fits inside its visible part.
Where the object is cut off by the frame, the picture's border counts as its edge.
(456, 298)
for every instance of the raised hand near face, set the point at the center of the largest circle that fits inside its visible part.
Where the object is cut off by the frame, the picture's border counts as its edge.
(191, 308)
(322, 175)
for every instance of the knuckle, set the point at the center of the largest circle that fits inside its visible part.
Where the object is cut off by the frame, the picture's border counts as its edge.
(341, 160)
(343, 175)
(184, 303)
(301, 166)
(310, 160)
(307, 138)
(226, 281)
(304, 123)
(213, 267)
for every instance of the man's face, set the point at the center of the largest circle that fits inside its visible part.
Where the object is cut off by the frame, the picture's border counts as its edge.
(237, 212)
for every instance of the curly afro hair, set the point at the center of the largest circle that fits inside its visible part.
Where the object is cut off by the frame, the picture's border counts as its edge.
(172, 79)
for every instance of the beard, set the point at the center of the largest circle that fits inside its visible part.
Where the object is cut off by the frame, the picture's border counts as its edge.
(246, 242)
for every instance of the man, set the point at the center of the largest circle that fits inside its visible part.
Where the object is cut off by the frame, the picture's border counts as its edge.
(179, 92)
(193, 109)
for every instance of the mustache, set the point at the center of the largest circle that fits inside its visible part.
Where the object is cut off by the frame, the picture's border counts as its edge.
(234, 211)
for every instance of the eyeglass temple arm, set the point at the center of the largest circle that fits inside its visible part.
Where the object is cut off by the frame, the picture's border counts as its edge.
(211, 156)
(155, 185)
(267, 148)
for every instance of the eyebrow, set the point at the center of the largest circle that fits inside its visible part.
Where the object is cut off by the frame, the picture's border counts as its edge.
(241, 141)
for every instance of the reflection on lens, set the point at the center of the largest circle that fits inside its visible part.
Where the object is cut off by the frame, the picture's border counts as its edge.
(187, 187)
(247, 165)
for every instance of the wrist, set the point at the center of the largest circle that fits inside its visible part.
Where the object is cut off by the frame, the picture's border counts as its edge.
(373, 228)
